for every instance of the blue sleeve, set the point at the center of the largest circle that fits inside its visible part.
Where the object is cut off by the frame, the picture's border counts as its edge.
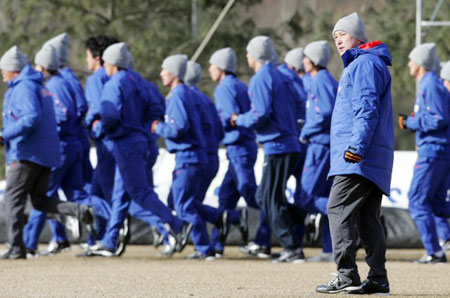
(30, 114)
(218, 130)
(176, 122)
(433, 114)
(300, 99)
(58, 105)
(320, 111)
(365, 102)
(225, 106)
(111, 105)
(93, 96)
(80, 99)
(260, 94)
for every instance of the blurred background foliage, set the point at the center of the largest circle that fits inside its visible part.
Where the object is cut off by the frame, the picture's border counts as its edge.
(154, 29)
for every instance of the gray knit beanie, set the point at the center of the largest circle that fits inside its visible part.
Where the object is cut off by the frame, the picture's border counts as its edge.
(353, 25)
(13, 59)
(445, 71)
(47, 57)
(225, 59)
(193, 73)
(61, 44)
(116, 54)
(261, 48)
(318, 52)
(424, 55)
(176, 64)
(295, 58)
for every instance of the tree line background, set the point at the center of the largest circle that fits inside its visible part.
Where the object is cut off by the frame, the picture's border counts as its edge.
(154, 29)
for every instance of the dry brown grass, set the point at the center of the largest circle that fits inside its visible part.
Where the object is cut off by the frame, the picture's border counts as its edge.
(140, 274)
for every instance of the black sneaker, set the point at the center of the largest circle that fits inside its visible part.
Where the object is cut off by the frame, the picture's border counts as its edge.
(14, 253)
(291, 256)
(218, 254)
(371, 287)
(339, 284)
(124, 237)
(31, 253)
(55, 248)
(88, 217)
(103, 251)
(243, 224)
(253, 249)
(183, 236)
(433, 259)
(211, 256)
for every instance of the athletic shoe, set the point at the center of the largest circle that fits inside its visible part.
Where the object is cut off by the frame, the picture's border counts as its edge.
(31, 253)
(54, 248)
(339, 284)
(218, 254)
(291, 256)
(85, 254)
(253, 249)
(103, 251)
(371, 287)
(433, 259)
(14, 253)
(243, 224)
(124, 237)
(199, 256)
(322, 257)
(182, 237)
(158, 238)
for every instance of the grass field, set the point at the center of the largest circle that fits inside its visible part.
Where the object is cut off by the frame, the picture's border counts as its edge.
(139, 273)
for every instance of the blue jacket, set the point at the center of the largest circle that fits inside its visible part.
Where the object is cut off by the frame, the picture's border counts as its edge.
(297, 87)
(431, 119)
(362, 116)
(93, 90)
(231, 96)
(212, 128)
(320, 105)
(79, 97)
(124, 111)
(155, 101)
(65, 108)
(273, 111)
(182, 128)
(29, 125)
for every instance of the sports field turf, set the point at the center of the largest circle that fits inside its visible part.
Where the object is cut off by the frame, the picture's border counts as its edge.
(139, 273)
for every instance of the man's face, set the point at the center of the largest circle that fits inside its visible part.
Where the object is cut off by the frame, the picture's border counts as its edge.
(7, 75)
(251, 61)
(91, 61)
(109, 68)
(447, 85)
(215, 72)
(167, 77)
(308, 64)
(344, 41)
(413, 68)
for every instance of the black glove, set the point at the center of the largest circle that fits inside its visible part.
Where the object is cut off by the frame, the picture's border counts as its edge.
(351, 156)
(300, 124)
(402, 121)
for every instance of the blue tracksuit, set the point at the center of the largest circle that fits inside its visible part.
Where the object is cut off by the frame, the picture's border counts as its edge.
(82, 108)
(29, 125)
(183, 133)
(298, 89)
(427, 195)
(273, 116)
(270, 115)
(124, 118)
(231, 96)
(68, 175)
(362, 117)
(212, 128)
(313, 197)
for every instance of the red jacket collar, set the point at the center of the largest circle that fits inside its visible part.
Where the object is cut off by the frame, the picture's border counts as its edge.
(369, 45)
